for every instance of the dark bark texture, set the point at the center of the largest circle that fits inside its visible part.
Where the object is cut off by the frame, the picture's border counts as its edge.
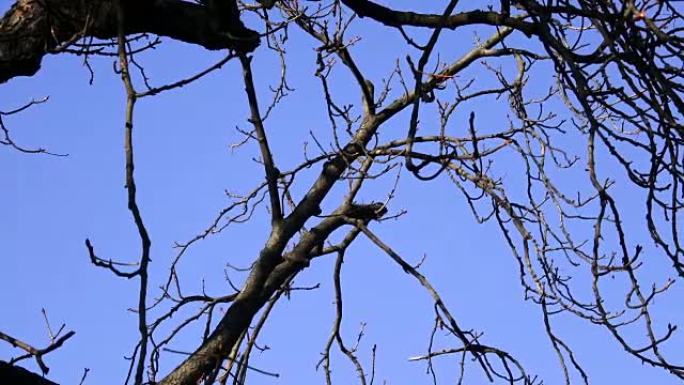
(31, 29)
(16, 375)
(621, 80)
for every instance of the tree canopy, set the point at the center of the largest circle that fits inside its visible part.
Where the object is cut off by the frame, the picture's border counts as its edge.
(555, 125)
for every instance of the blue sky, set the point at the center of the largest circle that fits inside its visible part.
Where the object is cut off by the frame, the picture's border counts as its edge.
(51, 205)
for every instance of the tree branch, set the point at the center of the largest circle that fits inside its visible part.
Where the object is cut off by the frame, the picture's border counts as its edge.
(32, 29)
(395, 18)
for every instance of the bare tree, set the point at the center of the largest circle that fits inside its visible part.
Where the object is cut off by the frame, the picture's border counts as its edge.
(610, 113)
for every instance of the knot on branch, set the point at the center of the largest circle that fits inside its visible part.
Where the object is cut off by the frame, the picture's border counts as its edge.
(352, 150)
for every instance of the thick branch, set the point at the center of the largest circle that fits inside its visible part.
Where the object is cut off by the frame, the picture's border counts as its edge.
(31, 29)
(266, 277)
(395, 18)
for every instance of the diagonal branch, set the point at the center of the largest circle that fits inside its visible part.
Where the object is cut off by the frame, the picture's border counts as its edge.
(469, 341)
(35, 352)
(267, 276)
(272, 173)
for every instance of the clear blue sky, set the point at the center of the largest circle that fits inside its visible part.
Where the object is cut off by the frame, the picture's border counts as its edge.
(51, 205)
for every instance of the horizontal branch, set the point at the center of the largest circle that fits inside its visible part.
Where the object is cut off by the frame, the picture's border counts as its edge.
(32, 29)
(393, 18)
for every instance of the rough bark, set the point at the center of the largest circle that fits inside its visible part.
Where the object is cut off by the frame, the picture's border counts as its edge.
(31, 29)
(269, 273)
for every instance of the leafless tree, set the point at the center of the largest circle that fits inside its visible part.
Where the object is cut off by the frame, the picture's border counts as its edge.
(611, 111)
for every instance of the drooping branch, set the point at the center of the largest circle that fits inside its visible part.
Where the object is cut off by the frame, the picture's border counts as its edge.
(32, 29)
